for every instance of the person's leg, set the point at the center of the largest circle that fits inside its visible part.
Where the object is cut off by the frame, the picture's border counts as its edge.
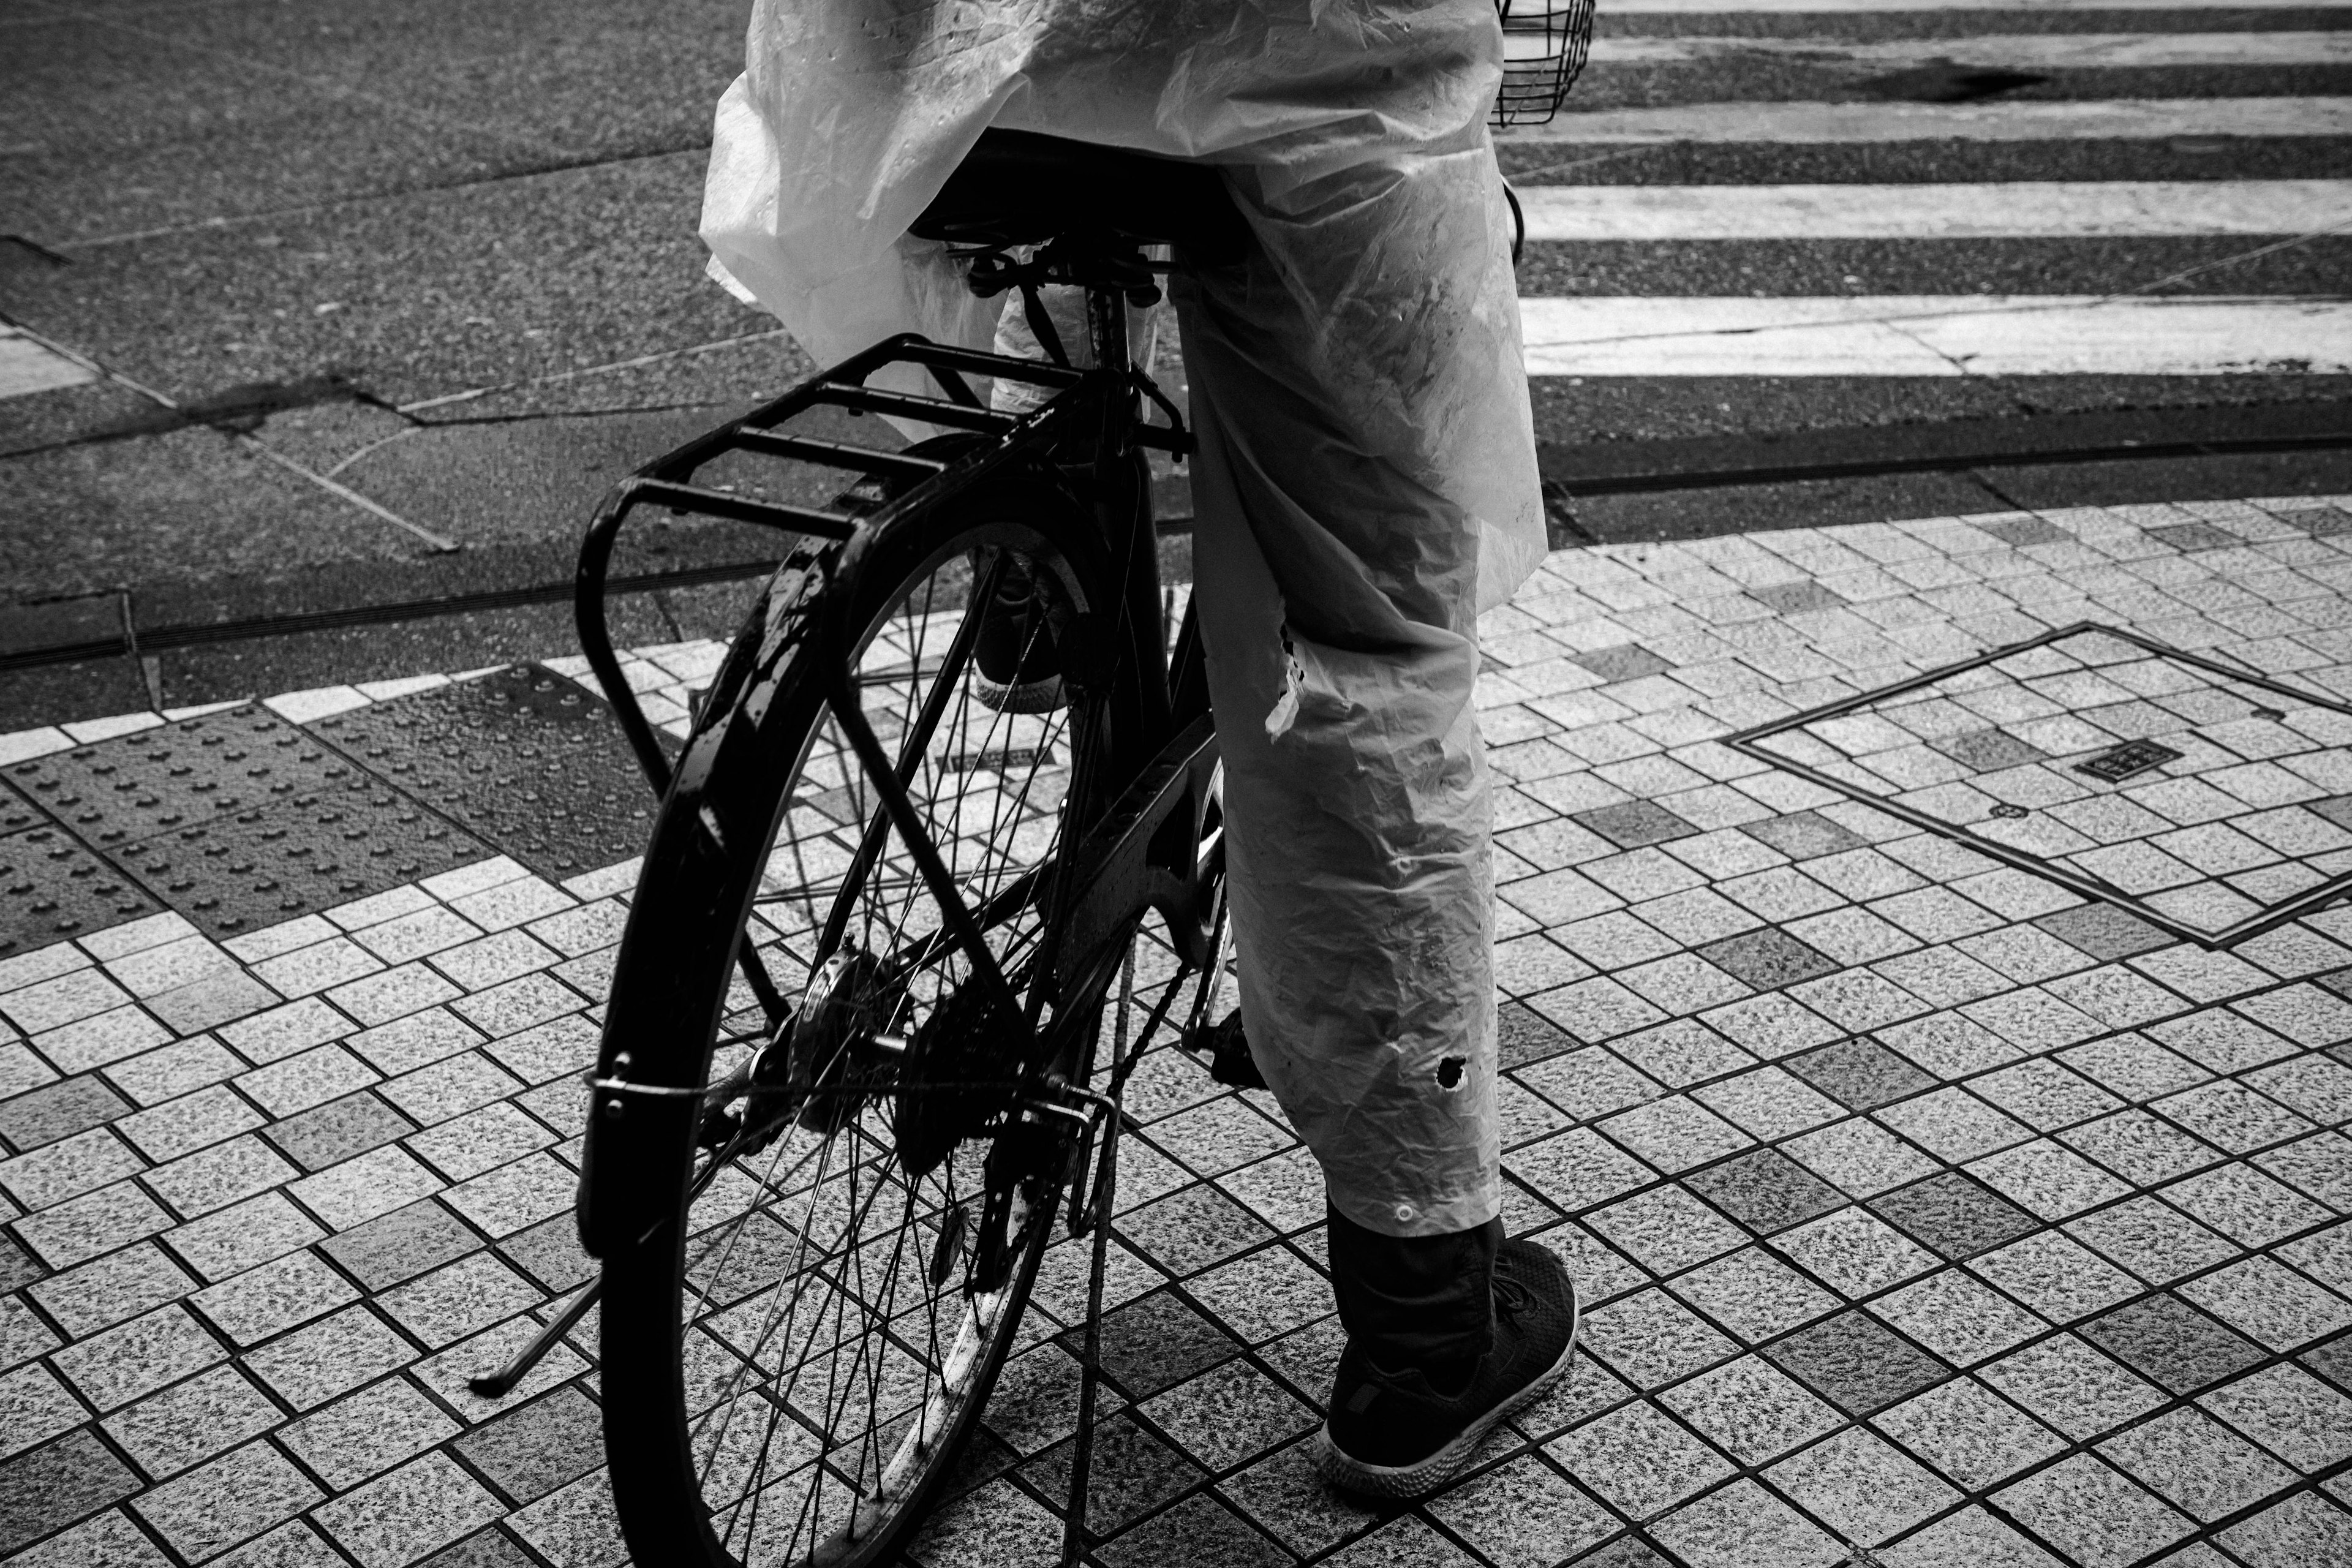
(1338, 534)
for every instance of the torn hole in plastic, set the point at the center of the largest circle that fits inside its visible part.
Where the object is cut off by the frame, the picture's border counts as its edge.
(1449, 1072)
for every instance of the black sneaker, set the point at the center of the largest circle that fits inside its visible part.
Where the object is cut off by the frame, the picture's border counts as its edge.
(1016, 658)
(1391, 1434)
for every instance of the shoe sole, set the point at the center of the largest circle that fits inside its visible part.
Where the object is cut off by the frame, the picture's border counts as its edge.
(1031, 697)
(1400, 1481)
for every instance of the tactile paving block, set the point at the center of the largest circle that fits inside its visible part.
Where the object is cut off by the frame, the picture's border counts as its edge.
(51, 889)
(135, 786)
(533, 762)
(252, 868)
(2212, 802)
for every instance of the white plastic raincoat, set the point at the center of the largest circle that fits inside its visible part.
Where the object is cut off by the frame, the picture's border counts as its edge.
(1366, 482)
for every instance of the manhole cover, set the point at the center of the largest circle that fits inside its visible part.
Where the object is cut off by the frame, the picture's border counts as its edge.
(2210, 802)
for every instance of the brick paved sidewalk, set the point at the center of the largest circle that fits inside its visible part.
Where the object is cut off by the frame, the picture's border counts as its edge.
(1930, 1214)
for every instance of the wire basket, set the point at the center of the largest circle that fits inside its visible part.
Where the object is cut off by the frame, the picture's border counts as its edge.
(1545, 43)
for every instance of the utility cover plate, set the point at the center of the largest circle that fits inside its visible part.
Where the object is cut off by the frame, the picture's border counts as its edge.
(2213, 804)
(2133, 758)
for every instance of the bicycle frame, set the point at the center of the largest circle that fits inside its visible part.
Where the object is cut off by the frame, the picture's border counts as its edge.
(1128, 838)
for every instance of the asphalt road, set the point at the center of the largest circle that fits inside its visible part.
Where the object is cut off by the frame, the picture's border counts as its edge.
(402, 244)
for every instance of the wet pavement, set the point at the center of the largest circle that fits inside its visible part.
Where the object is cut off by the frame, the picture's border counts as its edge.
(1927, 1211)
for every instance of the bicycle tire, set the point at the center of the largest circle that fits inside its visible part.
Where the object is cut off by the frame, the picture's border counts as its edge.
(761, 740)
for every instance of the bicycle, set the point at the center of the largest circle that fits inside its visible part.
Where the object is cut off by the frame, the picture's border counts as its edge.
(854, 1073)
(928, 1083)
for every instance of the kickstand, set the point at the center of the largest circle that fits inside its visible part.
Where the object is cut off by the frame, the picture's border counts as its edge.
(497, 1385)
(1073, 1531)
(1082, 1451)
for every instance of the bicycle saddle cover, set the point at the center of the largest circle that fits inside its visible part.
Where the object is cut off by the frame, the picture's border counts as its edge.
(1016, 187)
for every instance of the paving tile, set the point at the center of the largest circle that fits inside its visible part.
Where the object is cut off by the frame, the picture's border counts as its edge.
(1753, 1294)
(235, 1498)
(180, 1126)
(1638, 1460)
(1650, 1339)
(109, 1539)
(521, 1193)
(2157, 1243)
(94, 1223)
(1957, 1318)
(2196, 1464)
(2245, 1205)
(1634, 824)
(193, 1421)
(2302, 1529)
(396, 1246)
(263, 1303)
(576, 1525)
(1738, 1525)
(1590, 1083)
(1262, 1295)
(1804, 834)
(2172, 1344)
(367, 1433)
(1577, 1169)
(416, 1041)
(67, 1168)
(1859, 1073)
(1158, 1342)
(1969, 1433)
(1862, 1487)
(2045, 1095)
(122, 1285)
(1133, 1473)
(1751, 1410)
(59, 1110)
(298, 1082)
(364, 1186)
(1288, 1500)
(328, 1134)
(1522, 1514)
(1665, 1230)
(1768, 960)
(1970, 1538)
(458, 1299)
(2289, 1411)
(132, 1359)
(1768, 1103)
(414, 1511)
(241, 1237)
(1675, 1133)
(1765, 1191)
(2269, 1303)
(215, 1177)
(1860, 1157)
(1854, 1252)
(1192, 1229)
(34, 1407)
(53, 1486)
(2140, 1147)
(1953, 1215)
(1855, 1363)
(2056, 1276)
(2093, 1513)
(1201, 1529)
(1953, 1124)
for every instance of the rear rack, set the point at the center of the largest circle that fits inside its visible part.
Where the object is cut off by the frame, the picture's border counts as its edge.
(668, 482)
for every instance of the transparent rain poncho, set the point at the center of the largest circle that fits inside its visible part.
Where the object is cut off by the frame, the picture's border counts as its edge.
(1366, 483)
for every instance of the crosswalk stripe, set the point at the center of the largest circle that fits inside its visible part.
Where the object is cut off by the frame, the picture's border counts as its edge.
(2025, 51)
(1936, 335)
(2054, 209)
(2027, 121)
(28, 367)
(1866, 7)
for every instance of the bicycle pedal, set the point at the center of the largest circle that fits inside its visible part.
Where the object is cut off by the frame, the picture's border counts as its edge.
(1228, 1053)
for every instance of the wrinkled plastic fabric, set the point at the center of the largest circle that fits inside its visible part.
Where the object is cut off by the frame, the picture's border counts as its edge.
(1366, 482)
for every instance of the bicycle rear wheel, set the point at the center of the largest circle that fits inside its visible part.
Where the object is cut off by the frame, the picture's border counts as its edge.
(835, 1264)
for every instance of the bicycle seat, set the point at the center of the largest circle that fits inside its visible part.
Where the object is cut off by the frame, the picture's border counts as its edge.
(1016, 187)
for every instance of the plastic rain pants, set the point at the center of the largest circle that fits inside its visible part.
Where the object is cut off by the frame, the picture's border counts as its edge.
(1365, 484)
